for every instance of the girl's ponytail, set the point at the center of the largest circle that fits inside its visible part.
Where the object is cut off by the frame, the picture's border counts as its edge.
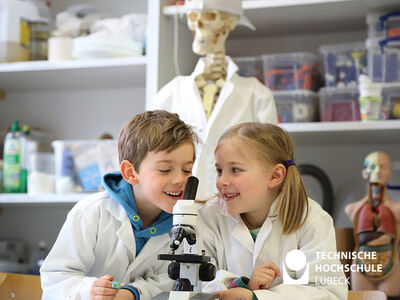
(293, 205)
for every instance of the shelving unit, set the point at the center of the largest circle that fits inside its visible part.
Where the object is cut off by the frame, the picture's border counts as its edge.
(328, 133)
(287, 17)
(40, 199)
(73, 74)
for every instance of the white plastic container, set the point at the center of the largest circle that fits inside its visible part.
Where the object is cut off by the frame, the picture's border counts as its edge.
(249, 67)
(80, 165)
(391, 101)
(339, 104)
(344, 63)
(14, 29)
(383, 66)
(291, 71)
(41, 178)
(383, 25)
(296, 106)
(375, 30)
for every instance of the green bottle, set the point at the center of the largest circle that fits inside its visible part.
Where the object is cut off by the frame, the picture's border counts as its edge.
(12, 160)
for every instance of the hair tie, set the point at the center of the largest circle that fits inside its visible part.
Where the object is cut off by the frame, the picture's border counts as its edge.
(289, 163)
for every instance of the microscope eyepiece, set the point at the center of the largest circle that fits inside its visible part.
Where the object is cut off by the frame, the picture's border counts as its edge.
(191, 188)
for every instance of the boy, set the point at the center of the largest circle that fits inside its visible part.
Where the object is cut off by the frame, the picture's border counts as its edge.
(118, 233)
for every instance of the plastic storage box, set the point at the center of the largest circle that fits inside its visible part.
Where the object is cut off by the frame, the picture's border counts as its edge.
(339, 104)
(383, 61)
(249, 67)
(296, 106)
(383, 25)
(291, 71)
(391, 101)
(41, 179)
(344, 63)
(79, 165)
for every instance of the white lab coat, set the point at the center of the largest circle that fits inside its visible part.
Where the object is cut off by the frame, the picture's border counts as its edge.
(241, 100)
(228, 241)
(97, 239)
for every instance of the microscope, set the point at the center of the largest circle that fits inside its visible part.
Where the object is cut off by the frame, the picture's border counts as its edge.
(191, 265)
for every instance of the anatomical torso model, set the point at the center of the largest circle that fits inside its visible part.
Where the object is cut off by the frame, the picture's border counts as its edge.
(376, 230)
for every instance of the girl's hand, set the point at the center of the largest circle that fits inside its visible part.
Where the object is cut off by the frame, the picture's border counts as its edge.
(263, 276)
(102, 289)
(235, 294)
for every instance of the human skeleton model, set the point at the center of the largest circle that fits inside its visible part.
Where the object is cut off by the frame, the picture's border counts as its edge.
(376, 229)
(211, 28)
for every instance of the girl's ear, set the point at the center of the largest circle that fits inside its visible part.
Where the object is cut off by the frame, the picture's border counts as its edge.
(128, 172)
(277, 176)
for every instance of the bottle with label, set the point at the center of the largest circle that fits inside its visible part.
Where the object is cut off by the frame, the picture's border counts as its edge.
(12, 160)
(15, 31)
(24, 159)
(37, 258)
(370, 99)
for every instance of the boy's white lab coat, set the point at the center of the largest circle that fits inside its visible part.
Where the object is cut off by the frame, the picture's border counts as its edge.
(97, 239)
(241, 100)
(228, 241)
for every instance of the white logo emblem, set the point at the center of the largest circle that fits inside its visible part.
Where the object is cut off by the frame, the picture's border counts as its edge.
(296, 262)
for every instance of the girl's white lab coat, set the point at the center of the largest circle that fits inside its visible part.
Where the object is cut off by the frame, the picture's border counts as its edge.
(228, 241)
(241, 100)
(97, 239)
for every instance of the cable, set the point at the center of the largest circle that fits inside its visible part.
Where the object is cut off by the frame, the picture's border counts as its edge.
(176, 45)
(326, 185)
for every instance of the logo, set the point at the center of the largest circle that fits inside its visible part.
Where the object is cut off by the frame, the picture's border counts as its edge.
(296, 264)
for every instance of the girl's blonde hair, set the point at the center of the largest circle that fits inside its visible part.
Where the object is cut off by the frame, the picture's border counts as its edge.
(274, 146)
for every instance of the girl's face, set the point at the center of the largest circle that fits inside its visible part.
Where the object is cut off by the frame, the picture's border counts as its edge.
(243, 180)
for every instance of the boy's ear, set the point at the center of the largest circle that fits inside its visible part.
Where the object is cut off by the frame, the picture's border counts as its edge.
(128, 172)
(277, 176)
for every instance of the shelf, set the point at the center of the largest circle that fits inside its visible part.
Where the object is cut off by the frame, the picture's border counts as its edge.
(42, 199)
(73, 74)
(291, 17)
(317, 133)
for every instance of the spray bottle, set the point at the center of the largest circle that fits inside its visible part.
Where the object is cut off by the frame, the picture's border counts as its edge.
(12, 160)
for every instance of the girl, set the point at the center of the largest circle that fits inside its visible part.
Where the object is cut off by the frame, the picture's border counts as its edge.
(261, 215)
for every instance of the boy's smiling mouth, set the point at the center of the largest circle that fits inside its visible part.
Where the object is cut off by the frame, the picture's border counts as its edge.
(174, 195)
(230, 196)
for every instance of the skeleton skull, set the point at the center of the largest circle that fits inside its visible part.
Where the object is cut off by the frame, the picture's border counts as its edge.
(211, 28)
(377, 168)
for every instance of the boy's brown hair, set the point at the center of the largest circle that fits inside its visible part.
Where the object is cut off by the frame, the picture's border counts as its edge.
(156, 130)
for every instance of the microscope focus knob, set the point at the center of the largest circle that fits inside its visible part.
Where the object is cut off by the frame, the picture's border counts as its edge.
(174, 270)
(207, 272)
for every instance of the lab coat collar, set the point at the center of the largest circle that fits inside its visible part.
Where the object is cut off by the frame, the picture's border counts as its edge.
(272, 215)
(246, 239)
(200, 66)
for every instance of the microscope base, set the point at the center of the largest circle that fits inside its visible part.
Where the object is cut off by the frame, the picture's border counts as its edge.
(180, 295)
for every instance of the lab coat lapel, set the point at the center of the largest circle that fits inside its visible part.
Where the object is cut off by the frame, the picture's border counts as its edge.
(241, 234)
(125, 232)
(266, 229)
(155, 245)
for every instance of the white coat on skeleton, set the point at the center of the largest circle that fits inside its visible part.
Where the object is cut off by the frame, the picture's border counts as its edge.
(240, 99)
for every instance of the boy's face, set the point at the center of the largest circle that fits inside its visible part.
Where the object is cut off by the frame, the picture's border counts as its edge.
(162, 176)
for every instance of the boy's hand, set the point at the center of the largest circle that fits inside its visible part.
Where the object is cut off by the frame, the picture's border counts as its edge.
(102, 289)
(124, 295)
(235, 294)
(263, 276)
